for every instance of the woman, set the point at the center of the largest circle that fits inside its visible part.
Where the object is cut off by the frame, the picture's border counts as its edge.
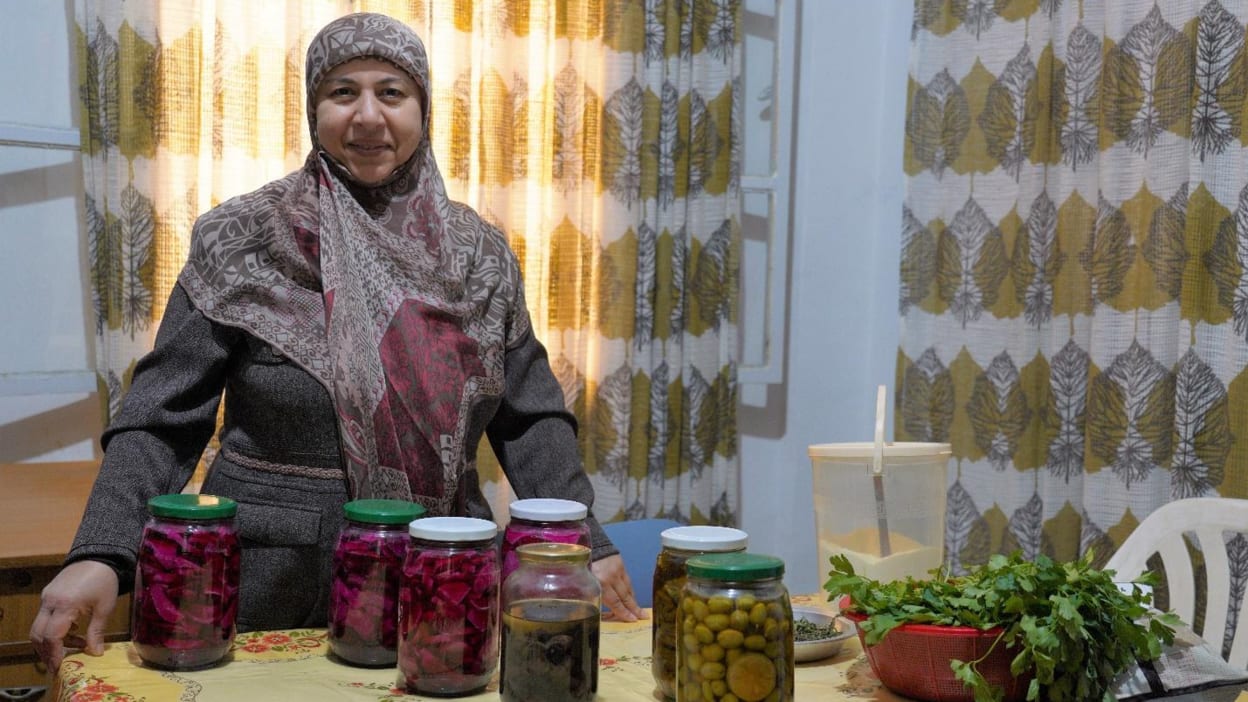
(366, 332)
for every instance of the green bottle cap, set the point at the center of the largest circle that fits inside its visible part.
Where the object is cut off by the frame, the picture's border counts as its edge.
(734, 566)
(192, 506)
(382, 511)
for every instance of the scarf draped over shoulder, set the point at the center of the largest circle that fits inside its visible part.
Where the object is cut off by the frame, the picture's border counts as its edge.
(400, 301)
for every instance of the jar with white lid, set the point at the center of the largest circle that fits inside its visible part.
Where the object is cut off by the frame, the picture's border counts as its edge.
(186, 583)
(364, 581)
(679, 545)
(448, 606)
(543, 519)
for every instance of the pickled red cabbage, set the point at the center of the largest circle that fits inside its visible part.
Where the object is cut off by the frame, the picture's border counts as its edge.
(520, 532)
(363, 605)
(448, 620)
(186, 594)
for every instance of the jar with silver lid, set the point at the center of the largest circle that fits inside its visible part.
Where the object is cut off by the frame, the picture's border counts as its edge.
(551, 608)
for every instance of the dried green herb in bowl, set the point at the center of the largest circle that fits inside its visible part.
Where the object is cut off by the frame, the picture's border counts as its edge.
(806, 630)
(819, 634)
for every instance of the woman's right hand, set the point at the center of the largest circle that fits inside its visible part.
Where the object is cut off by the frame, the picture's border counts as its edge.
(82, 590)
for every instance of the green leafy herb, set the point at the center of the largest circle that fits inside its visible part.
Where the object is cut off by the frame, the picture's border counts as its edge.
(1070, 622)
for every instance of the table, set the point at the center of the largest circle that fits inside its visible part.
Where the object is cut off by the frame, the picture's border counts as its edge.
(40, 506)
(293, 665)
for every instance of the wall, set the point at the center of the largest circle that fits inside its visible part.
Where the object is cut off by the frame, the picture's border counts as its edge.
(845, 250)
(47, 409)
(845, 215)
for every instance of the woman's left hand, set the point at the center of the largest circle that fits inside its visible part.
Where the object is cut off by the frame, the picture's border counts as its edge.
(617, 590)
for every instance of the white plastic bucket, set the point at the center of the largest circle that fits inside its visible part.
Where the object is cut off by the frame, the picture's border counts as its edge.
(889, 526)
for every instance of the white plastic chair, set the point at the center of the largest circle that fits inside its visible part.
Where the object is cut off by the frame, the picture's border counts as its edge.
(1216, 524)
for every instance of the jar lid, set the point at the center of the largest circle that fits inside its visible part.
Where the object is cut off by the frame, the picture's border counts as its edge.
(549, 552)
(864, 450)
(192, 506)
(704, 538)
(382, 511)
(452, 529)
(545, 509)
(734, 566)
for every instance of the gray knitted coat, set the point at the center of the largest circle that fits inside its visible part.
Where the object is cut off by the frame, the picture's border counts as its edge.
(280, 458)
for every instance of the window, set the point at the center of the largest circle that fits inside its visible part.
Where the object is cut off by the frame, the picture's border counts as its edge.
(46, 381)
(767, 110)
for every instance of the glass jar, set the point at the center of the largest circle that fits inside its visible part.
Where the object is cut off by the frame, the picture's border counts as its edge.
(186, 582)
(679, 545)
(738, 630)
(364, 585)
(448, 606)
(543, 519)
(551, 607)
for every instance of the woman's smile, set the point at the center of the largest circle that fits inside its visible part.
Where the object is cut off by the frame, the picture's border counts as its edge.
(369, 118)
(369, 149)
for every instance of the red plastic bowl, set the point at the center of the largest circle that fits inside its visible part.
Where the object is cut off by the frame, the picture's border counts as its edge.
(913, 660)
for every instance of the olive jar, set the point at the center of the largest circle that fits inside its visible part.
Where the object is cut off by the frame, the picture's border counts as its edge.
(186, 582)
(542, 519)
(551, 610)
(364, 585)
(448, 606)
(736, 630)
(679, 545)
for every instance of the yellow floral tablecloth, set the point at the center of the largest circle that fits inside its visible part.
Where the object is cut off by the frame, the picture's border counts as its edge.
(294, 665)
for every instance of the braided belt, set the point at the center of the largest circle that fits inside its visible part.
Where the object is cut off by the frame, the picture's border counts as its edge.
(283, 468)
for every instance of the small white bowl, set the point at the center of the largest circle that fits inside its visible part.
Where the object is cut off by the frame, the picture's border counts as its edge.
(817, 649)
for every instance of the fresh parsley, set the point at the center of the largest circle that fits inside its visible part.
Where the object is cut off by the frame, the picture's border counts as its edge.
(1070, 622)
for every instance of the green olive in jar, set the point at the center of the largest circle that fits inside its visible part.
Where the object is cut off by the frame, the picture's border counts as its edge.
(739, 600)
(668, 630)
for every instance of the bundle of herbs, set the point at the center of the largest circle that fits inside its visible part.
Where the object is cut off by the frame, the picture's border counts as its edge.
(1070, 623)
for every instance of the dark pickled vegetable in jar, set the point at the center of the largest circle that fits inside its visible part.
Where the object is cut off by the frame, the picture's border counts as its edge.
(679, 545)
(448, 606)
(186, 582)
(550, 652)
(551, 620)
(539, 520)
(364, 587)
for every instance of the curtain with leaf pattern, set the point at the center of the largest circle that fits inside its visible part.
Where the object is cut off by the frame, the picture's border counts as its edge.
(1074, 275)
(601, 136)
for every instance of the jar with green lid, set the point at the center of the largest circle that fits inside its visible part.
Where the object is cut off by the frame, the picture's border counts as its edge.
(736, 630)
(551, 606)
(364, 585)
(679, 545)
(186, 582)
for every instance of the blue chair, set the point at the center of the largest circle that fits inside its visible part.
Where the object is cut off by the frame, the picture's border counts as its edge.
(639, 544)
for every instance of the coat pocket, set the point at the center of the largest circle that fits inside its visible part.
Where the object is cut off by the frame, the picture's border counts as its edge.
(281, 567)
(278, 525)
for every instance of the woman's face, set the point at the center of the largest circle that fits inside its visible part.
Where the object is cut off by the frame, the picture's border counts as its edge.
(369, 118)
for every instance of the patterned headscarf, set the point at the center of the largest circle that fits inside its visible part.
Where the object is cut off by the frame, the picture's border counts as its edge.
(399, 300)
(366, 35)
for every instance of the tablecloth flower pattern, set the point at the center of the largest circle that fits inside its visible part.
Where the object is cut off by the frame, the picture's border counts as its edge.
(296, 666)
